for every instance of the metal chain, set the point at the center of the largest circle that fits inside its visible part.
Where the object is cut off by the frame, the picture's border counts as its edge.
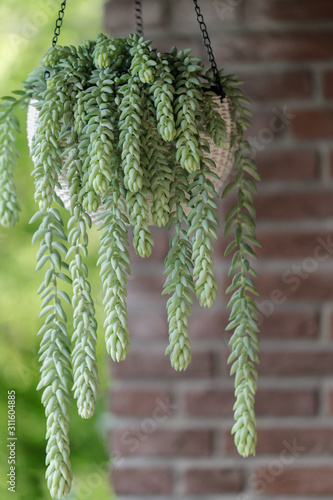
(57, 28)
(58, 23)
(209, 48)
(138, 17)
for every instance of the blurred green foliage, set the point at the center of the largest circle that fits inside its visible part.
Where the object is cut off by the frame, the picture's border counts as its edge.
(26, 30)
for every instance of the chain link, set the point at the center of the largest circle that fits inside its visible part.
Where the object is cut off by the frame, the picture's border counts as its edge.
(58, 23)
(138, 17)
(57, 29)
(209, 48)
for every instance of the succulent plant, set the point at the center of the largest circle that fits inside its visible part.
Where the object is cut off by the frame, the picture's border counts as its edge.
(126, 130)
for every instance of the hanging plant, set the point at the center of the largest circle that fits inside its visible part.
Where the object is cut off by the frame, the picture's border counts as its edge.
(122, 135)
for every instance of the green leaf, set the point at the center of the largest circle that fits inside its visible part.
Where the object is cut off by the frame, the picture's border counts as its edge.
(60, 246)
(230, 248)
(60, 312)
(249, 206)
(228, 226)
(64, 296)
(63, 277)
(38, 234)
(37, 216)
(248, 250)
(46, 310)
(42, 262)
(253, 172)
(249, 182)
(238, 235)
(253, 240)
(231, 212)
(229, 188)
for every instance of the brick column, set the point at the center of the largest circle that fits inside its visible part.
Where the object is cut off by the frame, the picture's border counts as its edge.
(171, 432)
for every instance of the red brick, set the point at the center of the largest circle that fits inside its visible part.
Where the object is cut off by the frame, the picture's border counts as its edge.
(270, 86)
(313, 124)
(136, 402)
(328, 84)
(303, 324)
(209, 402)
(286, 402)
(284, 46)
(184, 20)
(208, 324)
(146, 440)
(330, 401)
(119, 16)
(273, 441)
(294, 322)
(219, 402)
(331, 329)
(294, 283)
(286, 244)
(311, 204)
(313, 441)
(145, 286)
(286, 363)
(287, 165)
(148, 325)
(286, 10)
(265, 127)
(151, 364)
(213, 480)
(276, 479)
(141, 481)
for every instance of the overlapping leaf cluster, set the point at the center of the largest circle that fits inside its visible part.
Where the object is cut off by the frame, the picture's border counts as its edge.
(126, 128)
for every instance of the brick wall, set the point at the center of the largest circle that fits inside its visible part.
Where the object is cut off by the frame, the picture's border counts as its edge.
(171, 431)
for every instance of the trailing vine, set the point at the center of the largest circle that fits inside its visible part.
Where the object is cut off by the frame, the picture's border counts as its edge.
(84, 336)
(9, 207)
(244, 312)
(124, 131)
(115, 267)
(179, 282)
(54, 353)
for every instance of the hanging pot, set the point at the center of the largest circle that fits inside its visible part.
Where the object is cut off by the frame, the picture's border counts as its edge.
(222, 157)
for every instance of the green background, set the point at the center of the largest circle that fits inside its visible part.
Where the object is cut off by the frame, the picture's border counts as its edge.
(26, 30)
